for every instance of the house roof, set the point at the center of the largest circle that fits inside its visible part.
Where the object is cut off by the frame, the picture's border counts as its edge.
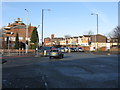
(75, 37)
(87, 35)
(80, 36)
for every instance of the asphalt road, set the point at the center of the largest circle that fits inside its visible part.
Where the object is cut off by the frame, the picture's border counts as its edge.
(75, 70)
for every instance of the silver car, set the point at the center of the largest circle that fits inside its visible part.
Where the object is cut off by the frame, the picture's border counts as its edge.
(56, 54)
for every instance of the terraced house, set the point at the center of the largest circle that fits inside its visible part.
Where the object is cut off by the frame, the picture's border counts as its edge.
(96, 41)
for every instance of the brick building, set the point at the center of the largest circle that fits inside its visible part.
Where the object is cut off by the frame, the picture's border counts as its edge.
(12, 29)
(99, 38)
(47, 41)
(98, 41)
(52, 41)
(114, 42)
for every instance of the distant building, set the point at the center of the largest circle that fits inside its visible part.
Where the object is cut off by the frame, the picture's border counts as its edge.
(52, 41)
(98, 40)
(52, 36)
(12, 29)
(85, 39)
(114, 42)
(63, 42)
(47, 41)
(80, 40)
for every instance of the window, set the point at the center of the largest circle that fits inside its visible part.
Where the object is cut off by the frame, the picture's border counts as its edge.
(20, 38)
(12, 38)
(5, 39)
(8, 32)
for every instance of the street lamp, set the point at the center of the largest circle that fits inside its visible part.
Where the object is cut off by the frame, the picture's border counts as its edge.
(8, 42)
(42, 21)
(97, 29)
(27, 31)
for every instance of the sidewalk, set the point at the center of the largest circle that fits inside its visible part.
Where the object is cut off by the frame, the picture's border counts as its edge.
(106, 53)
(16, 56)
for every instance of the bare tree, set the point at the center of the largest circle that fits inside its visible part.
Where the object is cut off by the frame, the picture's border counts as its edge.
(110, 34)
(116, 33)
(90, 32)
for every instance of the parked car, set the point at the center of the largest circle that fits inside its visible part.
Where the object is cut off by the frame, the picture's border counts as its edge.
(72, 49)
(75, 49)
(80, 49)
(92, 48)
(66, 49)
(61, 49)
(4, 61)
(55, 53)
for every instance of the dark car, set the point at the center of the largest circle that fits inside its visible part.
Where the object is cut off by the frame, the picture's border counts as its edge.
(66, 49)
(45, 51)
(56, 54)
(72, 49)
(80, 49)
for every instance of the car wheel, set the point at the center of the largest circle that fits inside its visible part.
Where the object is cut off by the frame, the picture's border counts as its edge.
(60, 56)
(49, 57)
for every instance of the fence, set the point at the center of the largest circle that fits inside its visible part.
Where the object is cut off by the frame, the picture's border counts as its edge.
(17, 52)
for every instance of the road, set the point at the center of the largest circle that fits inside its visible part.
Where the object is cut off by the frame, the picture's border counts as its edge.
(75, 70)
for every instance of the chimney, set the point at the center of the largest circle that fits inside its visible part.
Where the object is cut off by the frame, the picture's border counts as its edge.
(52, 36)
(18, 19)
(8, 24)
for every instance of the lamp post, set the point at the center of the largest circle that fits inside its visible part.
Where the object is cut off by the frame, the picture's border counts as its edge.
(42, 22)
(8, 41)
(38, 41)
(97, 30)
(27, 31)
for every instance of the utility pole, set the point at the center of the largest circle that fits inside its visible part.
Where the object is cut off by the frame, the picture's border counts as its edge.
(96, 39)
(27, 31)
(42, 23)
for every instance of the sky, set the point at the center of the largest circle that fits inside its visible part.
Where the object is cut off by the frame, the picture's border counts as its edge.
(65, 18)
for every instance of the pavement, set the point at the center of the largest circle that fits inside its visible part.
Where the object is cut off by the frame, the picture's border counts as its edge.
(107, 52)
(75, 70)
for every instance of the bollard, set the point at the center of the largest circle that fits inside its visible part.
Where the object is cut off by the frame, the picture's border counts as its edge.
(45, 52)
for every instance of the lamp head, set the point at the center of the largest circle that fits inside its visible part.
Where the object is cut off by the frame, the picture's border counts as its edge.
(46, 9)
(26, 10)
